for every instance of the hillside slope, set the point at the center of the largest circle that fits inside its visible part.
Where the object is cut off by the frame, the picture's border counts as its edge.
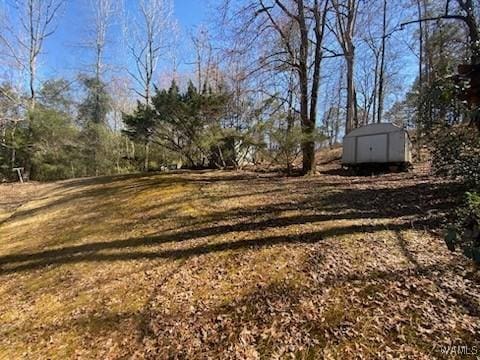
(233, 265)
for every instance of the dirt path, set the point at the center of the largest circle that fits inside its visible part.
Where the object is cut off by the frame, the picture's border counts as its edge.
(236, 265)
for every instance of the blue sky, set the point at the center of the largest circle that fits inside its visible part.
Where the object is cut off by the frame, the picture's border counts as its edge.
(64, 54)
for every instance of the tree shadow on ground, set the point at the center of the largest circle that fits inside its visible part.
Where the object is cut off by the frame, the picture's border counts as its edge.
(101, 188)
(419, 206)
(90, 252)
(307, 318)
(316, 216)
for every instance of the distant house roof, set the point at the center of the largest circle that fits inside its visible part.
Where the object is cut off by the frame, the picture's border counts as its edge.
(372, 129)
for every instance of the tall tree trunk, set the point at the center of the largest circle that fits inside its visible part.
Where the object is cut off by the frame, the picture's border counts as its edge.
(33, 73)
(473, 29)
(382, 65)
(350, 125)
(339, 105)
(302, 62)
(375, 88)
(474, 37)
(346, 18)
(146, 165)
(13, 158)
(308, 145)
(290, 122)
(420, 82)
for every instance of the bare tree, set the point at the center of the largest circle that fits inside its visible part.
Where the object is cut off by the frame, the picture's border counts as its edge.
(102, 15)
(421, 37)
(148, 39)
(103, 12)
(11, 116)
(366, 85)
(122, 102)
(381, 79)
(203, 56)
(337, 122)
(303, 53)
(25, 41)
(373, 100)
(467, 13)
(346, 12)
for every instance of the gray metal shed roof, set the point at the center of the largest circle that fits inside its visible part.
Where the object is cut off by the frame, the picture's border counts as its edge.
(372, 129)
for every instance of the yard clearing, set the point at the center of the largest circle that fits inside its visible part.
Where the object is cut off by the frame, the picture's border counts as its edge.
(233, 265)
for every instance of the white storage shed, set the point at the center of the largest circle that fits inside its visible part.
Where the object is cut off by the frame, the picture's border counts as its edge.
(377, 144)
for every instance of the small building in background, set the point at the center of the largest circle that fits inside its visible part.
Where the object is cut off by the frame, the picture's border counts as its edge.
(377, 144)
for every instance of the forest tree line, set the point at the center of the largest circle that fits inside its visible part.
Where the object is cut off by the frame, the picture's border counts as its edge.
(266, 82)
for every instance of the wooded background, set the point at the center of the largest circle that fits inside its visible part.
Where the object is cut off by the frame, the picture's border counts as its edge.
(261, 82)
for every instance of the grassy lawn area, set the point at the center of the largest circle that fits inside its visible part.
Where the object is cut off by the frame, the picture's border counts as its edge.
(233, 265)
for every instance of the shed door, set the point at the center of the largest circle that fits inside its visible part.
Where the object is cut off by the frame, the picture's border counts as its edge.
(372, 149)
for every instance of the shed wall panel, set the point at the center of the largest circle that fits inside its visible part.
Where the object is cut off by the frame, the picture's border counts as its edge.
(397, 147)
(372, 149)
(348, 156)
(377, 143)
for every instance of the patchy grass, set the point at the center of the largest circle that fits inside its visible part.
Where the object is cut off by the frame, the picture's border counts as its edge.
(233, 265)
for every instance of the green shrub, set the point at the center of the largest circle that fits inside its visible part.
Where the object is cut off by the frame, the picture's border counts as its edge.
(466, 232)
(456, 154)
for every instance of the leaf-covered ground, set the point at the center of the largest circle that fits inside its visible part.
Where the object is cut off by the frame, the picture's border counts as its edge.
(233, 265)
